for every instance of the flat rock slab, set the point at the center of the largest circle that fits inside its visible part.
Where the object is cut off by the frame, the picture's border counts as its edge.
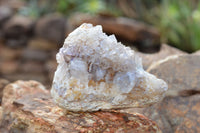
(179, 110)
(182, 73)
(28, 108)
(165, 51)
(176, 114)
(197, 52)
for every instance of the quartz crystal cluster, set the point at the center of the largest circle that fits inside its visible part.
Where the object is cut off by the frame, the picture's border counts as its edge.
(95, 72)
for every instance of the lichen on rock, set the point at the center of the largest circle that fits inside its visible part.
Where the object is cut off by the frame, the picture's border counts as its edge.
(95, 72)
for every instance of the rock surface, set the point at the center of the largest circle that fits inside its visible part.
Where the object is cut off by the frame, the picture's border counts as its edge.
(36, 55)
(179, 110)
(28, 108)
(26, 64)
(95, 72)
(165, 51)
(42, 44)
(182, 73)
(5, 14)
(197, 52)
(8, 67)
(17, 31)
(176, 114)
(3, 83)
(51, 27)
(7, 54)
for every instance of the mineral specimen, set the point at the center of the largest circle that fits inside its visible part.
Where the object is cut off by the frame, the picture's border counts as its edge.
(95, 72)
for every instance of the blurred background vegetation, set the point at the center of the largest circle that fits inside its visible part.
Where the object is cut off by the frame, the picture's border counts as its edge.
(177, 20)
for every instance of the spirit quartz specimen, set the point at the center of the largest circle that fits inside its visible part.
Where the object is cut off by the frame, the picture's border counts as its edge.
(95, 72)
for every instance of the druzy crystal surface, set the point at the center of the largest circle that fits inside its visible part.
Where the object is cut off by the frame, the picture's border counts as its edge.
(95, 72)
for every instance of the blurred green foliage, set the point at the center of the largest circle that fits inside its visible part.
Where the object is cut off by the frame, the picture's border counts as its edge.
(177, 20)
(37, 8)
(179, 24)
(69, 6)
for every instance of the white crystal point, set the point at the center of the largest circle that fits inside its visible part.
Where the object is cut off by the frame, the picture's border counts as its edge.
(95, 72)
